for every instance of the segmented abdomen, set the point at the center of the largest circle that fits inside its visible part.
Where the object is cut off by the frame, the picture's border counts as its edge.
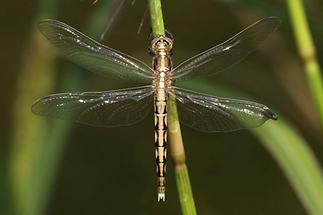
(161, 141)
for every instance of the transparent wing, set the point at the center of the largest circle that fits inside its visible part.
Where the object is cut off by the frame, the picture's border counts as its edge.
(228, 53)
(212, 114)
(92, 55)
(106, 109)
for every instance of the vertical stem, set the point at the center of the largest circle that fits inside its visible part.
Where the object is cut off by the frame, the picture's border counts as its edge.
(30, 175)
(308, 53)
(156, 16)
(36, 146)
(177, 151)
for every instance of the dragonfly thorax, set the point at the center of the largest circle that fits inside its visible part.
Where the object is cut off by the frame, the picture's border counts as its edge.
(162, 63)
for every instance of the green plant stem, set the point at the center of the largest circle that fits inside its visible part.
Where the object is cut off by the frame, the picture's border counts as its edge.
(307, 51)
(177, 151)
(156, 17)
(36, 76)
(36, 145)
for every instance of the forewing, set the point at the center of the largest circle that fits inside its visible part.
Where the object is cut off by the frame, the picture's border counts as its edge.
(214, 114)
(105, 109)
(228, 53)
(92, 55)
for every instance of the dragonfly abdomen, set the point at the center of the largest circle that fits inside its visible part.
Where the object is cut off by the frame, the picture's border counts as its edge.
(161, 141)
(162, 65)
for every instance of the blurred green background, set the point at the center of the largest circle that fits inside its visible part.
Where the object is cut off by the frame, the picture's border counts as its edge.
(55, 167)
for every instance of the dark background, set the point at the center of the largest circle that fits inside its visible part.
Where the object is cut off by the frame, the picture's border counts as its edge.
(111, 171)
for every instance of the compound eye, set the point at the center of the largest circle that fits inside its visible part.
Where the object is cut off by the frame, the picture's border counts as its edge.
(156, 44)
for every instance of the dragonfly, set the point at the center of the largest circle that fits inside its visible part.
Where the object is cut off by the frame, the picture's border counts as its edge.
(124, 107)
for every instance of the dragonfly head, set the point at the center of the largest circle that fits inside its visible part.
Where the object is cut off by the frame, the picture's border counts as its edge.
(161, 43)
